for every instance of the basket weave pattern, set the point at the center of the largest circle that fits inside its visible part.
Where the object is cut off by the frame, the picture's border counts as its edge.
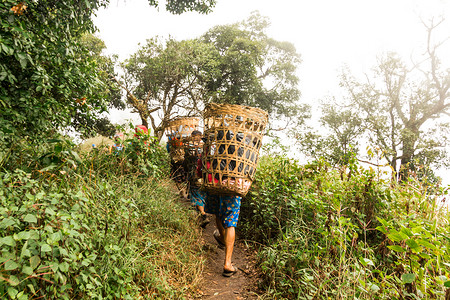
(178, 130)
(193, 147)
(233, 135)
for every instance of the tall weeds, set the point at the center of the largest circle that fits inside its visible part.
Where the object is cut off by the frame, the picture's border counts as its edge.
(103, 225)
(344, 234)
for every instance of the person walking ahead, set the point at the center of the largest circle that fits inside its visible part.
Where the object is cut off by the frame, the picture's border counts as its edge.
(192, 161)
(226, 208)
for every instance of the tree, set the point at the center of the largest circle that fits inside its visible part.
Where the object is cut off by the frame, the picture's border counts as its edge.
(109, 90)
(43, 79)
(255, 69)
(47, 78)
(401, 105)
(342, 141)
(236, 64)
(168, 76)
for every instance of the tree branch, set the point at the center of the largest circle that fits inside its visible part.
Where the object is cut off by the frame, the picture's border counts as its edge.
(371, 163)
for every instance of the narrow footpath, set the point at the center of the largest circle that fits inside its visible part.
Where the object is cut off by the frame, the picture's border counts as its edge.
(239, 286)
(242, 285)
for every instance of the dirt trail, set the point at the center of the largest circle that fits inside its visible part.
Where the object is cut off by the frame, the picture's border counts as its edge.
(241, 285)
(216, 286)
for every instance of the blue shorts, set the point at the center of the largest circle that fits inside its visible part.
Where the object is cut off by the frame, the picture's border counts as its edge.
(197, 197)
(226, 208)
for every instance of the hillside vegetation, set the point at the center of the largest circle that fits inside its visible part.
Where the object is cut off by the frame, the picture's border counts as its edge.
(107, 224)
(326, 233)
(99, 225)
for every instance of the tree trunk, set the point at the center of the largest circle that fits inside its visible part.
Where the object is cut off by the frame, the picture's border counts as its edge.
(144, 121)
(409, 139)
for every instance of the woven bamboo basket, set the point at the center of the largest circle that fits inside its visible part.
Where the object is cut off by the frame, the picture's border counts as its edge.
(193, 148)
(178, 130)
(233, 137)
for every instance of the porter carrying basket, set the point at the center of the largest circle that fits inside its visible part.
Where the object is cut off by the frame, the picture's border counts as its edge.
(178, 130)
(233, 136)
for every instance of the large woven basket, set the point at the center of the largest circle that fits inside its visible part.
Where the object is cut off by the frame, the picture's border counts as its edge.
(178, 130)
(233, 136)
(193, 148)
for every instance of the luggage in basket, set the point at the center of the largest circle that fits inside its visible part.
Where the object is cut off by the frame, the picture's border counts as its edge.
(233, 136)
(178, 130)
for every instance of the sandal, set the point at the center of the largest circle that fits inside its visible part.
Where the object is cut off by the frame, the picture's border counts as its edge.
(228, 273)
(216, 235)
(205, 220)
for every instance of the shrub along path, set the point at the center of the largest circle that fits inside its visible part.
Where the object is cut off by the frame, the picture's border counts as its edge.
(241, 285)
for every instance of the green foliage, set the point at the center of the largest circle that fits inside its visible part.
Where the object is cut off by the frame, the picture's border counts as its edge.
(42, 76)
(237, 64)
(89, 228)
(47, 248)
(169, 75)
(254, 69)
(141, 155)
(420, 251)
(272, 203)
(181, 6)
(322, 233)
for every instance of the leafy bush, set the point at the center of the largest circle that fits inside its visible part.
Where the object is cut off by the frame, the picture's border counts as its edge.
(322, 233)
(85, 228)
(45, 245)
(420, 251)
(141, 155)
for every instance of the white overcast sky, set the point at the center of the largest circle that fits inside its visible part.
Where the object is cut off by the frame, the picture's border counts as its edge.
(326, 33)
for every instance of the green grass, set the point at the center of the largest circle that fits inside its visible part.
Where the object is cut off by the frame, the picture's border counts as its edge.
(84, 228)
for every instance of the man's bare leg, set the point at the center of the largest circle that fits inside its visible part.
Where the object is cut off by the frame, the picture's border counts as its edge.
(230, 235)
